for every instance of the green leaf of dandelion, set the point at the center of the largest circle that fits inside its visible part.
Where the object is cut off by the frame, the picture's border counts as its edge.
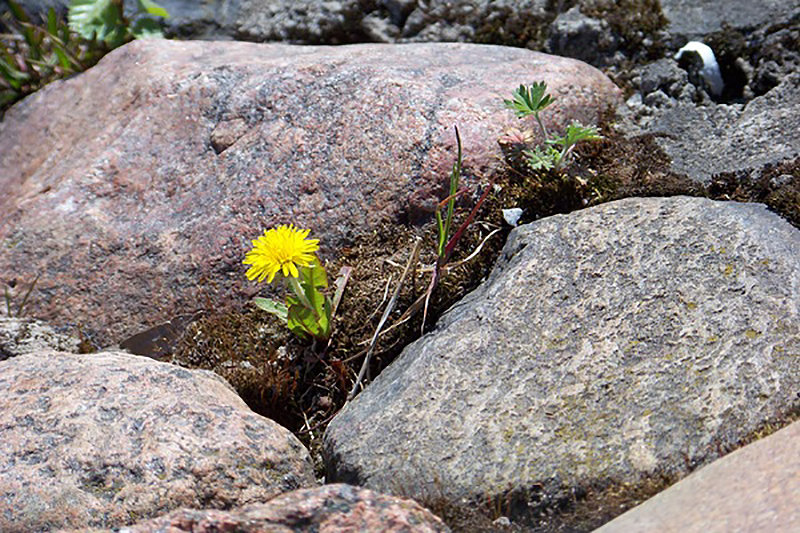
(271, 306)
(303, 321)
(152, 8)
(313, 278)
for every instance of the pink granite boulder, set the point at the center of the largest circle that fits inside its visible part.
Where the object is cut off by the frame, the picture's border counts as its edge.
(136, 187)
(755, 488)
(331, 508)
(108, 439)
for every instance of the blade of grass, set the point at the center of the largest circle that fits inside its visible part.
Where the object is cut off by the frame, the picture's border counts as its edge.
(412, 260)
(464, 225)
(455, 177)
(27, 294)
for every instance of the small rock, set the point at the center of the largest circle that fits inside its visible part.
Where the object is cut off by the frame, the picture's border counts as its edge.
(19, 336)
(503, 521)
(573, 34)
(512, 216)
(664, 75)
(329, 508)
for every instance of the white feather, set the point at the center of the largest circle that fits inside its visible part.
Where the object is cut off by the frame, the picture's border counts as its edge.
(710, 70)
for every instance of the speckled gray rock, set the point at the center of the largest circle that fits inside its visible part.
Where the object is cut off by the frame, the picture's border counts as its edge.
(300, 21)
(666, 77)
(148, 175)
(692, 19)
(608, 345)
(107, 439)
(707, 140)
(510, 22)
(573, 34)
(756, 488)
(330, 508)
(19, 336)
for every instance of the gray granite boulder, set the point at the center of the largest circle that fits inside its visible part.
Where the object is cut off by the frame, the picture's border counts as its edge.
(145, 178)
(108, 439)
(608, 348)
(21, 335)
(755, 488)
(331, 508)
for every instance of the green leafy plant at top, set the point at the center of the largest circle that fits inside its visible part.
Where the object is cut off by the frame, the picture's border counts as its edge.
(556, 152)
(32, 55)
(531, 100)
(105, 20)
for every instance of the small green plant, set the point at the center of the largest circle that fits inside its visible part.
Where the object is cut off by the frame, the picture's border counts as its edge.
(33, 55)
(445, 242)
(285, 253)
(556, 151)
(105, 20)
(530, 101)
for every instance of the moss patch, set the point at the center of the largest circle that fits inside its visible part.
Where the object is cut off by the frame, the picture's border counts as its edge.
(777, 186)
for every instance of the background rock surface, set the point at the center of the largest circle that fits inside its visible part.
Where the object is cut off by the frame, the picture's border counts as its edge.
(706, 140)
(693, 19)
(107, 439)
(137, 195)
(330, 508)
(628, 340)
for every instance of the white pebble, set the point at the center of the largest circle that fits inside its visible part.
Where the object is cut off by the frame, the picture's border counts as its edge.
(511, 216)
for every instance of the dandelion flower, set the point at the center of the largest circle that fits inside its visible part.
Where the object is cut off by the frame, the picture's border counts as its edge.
(280, 249)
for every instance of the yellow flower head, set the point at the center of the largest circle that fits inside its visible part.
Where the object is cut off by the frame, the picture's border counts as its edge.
(280, 249)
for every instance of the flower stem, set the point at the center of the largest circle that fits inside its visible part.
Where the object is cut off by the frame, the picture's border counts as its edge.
(541, 125)
(301, 295)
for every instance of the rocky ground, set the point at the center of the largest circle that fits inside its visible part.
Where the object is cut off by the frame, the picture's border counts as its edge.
(634, 343)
